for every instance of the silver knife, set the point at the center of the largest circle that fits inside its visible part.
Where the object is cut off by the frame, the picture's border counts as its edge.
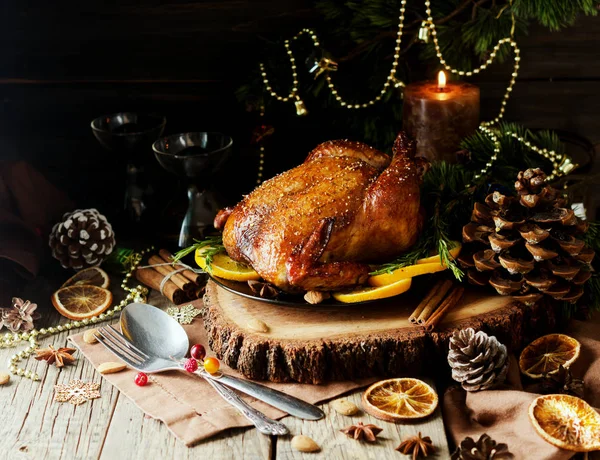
(275, 398)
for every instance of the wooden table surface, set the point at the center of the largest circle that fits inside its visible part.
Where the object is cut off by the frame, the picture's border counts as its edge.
(32, 425)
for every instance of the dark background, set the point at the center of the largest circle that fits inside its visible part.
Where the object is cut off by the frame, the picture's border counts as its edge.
(65, 63)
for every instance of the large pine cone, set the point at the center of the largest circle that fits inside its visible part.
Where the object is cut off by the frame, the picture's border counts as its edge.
(83, 239)
(484, 449)
(528, 245)
(478, 361)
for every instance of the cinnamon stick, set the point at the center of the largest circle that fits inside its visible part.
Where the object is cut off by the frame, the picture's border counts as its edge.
(435, 300)
(450, 301)
(415, 314)
(166, 270)
(152, 279)
(189, 274)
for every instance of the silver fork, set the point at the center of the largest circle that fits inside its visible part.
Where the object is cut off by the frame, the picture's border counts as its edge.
(120, 346)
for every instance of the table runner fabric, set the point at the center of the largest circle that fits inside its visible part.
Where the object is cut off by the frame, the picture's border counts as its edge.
(504, 413)
(193, 411)
(189, 406)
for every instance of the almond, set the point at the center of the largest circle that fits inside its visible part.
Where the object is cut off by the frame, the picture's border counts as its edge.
(257, 325)
(344, 407)
(111, 367)
(304, 444)
(316, 297)
(89, 336)
(4, 378)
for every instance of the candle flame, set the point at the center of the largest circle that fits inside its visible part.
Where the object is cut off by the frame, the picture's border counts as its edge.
(441, 80)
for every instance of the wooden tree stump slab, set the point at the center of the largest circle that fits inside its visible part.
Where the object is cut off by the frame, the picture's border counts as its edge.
(319, 343)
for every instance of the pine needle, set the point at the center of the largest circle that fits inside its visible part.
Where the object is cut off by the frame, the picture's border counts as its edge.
(213, 245)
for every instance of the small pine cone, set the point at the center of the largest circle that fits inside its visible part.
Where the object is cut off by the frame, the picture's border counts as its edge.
(484, 449)
(83, 239)
(478, 361)
(530, 181)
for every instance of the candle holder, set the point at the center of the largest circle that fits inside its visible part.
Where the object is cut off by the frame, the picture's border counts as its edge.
(130, 135)
(194, 158)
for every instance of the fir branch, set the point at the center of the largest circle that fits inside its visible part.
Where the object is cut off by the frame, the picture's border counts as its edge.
(592, 287)
(592, 237)
(555, 14)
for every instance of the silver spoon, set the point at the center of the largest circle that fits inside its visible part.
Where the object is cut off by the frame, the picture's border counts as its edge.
(158, 334)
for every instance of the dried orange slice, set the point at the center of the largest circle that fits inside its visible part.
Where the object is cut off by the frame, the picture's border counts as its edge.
(92, 276)
(399, 399)
(566, 421)
(81, 302)
(545, 355)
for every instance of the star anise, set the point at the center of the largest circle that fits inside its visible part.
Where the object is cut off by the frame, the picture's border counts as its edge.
(562, 382)
(51, 355)
(416, 445)
(360, 431)
(262, 289)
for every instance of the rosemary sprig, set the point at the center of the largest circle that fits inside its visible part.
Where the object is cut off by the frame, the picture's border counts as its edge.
(420, 250)
(444, 247)
(213, 245)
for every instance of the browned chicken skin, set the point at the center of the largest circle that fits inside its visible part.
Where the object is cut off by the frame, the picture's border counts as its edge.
(317, 226)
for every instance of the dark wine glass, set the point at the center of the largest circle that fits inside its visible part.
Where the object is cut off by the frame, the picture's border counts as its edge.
(195, 157)
(130, 135)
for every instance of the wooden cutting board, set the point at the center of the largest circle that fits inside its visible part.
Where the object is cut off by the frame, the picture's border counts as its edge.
(318, 343)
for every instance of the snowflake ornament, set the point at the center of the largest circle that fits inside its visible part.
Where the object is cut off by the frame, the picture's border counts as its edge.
(185, 314)
(20, 316)
(76, 392)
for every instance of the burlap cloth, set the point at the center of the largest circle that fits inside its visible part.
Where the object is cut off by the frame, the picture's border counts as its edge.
(190, 407)
(193, 411)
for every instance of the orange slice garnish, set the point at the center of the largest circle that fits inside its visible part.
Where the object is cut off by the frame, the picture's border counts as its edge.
(566, 421)
(399, 399)
(363, 294)
(425, 266)
(223, 266)
(545, 355)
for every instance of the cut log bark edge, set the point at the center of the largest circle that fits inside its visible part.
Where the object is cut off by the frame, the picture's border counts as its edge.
(386, 353)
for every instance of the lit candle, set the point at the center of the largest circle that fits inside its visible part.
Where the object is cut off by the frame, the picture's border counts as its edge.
(439, 115)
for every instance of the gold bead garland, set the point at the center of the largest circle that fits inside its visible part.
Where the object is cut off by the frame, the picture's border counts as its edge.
(136, 294)
(427, 29)
(391, 78)
(261, 155)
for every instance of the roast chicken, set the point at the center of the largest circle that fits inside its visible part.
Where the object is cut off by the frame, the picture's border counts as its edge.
(318, 226)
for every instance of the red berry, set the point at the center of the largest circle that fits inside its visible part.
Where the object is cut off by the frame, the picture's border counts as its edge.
(141, 379)
(191, 365)
(198, 352)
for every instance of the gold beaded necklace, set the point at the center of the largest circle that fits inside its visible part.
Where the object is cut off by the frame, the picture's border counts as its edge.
(135, 294)
(561, 164)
